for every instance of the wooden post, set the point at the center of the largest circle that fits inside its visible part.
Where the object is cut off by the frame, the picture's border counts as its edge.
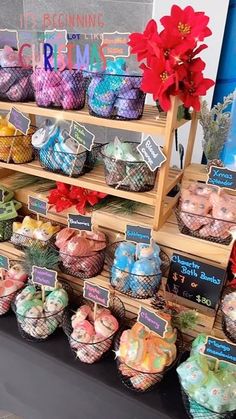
(32, 119)
(191, 139)
(164, 169)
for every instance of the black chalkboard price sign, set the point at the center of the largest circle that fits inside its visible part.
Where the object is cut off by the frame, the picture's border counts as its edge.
(80, 222)
(220, 349)
(138, 234)
(195, 281)
(97, 294)
(152, 321)
(19, 120)
(37, 205)
(82, 135)
(151, 153)
(222, 177)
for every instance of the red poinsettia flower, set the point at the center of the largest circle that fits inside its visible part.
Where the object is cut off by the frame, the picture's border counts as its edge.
(144, 44)
(172, 48)
(90, 197)
(158, 79)
(186, 23)
(194, 86)
(66, 196)
(60, 197)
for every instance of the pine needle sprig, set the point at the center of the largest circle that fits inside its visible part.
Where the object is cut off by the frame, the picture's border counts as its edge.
(45, 258)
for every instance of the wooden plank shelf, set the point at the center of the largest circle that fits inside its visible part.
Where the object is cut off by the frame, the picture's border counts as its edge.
(205, 322)
(150, 122)
(95, 181)
(113, 223)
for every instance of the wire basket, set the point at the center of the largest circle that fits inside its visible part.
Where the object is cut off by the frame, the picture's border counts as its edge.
(39, 329)
(228, 324)
(93, 352)
(139, 381)
(196, 411)
(114, 96)
(6, 300)
(128, 175)
(200, 226)
(69, 164)
(6, 229)
(62, 89)
(15, 84)
(17, 149)
(135, 286)
(22, 241)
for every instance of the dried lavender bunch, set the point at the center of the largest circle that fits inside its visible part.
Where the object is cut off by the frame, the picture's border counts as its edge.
(215, 124)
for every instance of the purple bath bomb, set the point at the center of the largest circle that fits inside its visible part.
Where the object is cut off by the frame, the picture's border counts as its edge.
(15, 93)
(130, 94)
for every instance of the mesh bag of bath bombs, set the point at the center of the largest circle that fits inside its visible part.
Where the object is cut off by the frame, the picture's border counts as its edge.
(98, 345)
(136, 379)
(8, 295)
(17, 148)
(114, 96)
(15, 84)
(61, 89)
(134, 282)
(196, 411)
(36, 320)
(228, 308)
(207, 213)
(68, 164)
(134, 176)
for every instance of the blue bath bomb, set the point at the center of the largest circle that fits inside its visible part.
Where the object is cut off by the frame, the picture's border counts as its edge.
(120, 279)
(144, 267)
(125, 249)
(124, 263)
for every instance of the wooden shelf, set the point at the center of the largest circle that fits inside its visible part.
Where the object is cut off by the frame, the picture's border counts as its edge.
(149, 123)
(205, 323)
(95, 181)
(168, 236)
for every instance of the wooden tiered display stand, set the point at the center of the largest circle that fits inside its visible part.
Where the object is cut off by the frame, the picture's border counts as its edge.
(157, 213)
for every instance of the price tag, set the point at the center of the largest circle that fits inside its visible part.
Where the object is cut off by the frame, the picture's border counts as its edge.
(4, 262)
(37, 205)
(116, 44)
(152, 321)
(138, 234)
(220, 349)
(98, 295)
(82, 135)
(44, 277)
(80, 222)
(222, 177)
(151, 153)
(19, 120)
(195, 281)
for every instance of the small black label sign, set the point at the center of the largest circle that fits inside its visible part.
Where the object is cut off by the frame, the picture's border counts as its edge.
(4, 262)
(44, 276)
(151, 320)
(195, 281)
(82, 135)
(138, 234)
(1, 196)
(151, 153)
(222, 177)
(98, 295)
(37, 205)
(79, 222)
(19, 120)
(220, 349)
